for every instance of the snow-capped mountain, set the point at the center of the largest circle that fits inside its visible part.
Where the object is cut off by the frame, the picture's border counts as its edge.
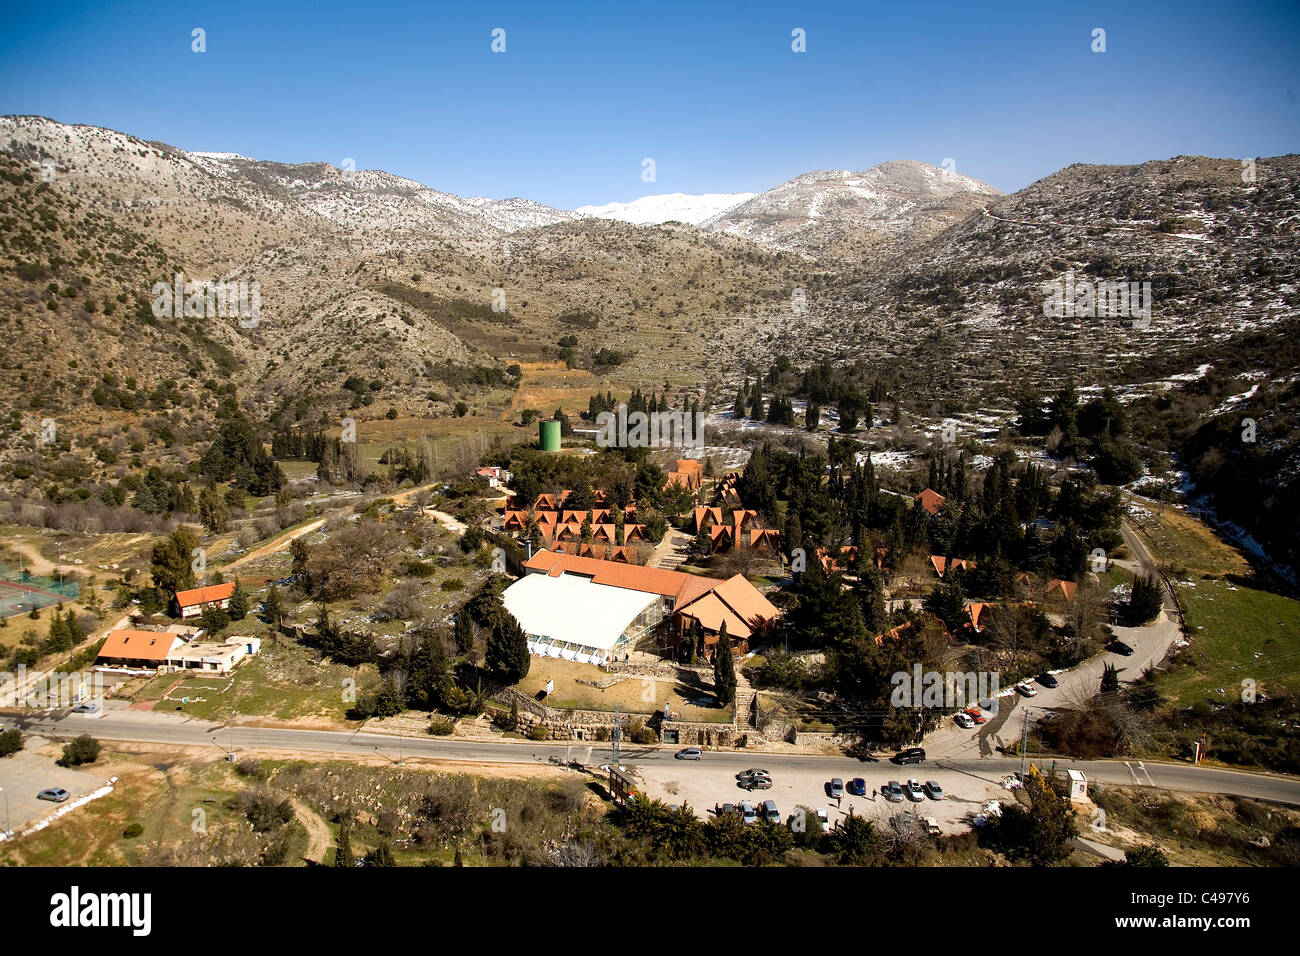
(668, 207)
(841, 213)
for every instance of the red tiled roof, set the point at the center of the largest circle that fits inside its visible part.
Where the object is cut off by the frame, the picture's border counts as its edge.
(213, 592)
(930, 500)
(138, 645)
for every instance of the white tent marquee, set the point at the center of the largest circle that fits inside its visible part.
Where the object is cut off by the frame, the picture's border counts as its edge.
(571, 618)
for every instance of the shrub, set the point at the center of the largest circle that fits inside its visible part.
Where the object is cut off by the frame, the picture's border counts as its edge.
(442, 726)
(537, 732)
(11, 741)
(85, 749)
(133, 831)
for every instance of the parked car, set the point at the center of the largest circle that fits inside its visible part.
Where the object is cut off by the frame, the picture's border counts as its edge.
(751, 773)
(858, 787)
(1047, 680)
(726, 810)
(770, 812)
(87, 707)
(975, 714)
(933, 790)
(893, 791)
(1025, 690)
(835, 789)
(54, 794)
(690, 753)
(824, 820)
(910, 755)
(747, 812)
(964, 720)
(756, 783)
(913, 790)
(1119, 647)
(932, 826)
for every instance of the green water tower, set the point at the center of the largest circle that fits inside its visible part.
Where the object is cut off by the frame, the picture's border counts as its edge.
(548, 435)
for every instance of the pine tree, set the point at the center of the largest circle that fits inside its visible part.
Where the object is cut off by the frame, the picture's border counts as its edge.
(237, 606)
(756, 400)
(1109, 679)
(382, 855)
(724, 669)
(738, 407)
(507, 650)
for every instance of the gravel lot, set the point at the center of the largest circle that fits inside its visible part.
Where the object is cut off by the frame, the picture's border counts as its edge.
(712, 780)
(27, 773)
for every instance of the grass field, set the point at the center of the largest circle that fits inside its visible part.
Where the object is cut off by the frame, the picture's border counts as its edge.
(281, 683)
(1239, 628)
(632, 696)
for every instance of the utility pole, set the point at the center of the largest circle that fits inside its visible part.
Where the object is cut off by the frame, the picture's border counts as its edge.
(1024, 743)
(614, 738)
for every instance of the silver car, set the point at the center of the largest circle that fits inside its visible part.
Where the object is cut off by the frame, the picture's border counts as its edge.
(893, 791)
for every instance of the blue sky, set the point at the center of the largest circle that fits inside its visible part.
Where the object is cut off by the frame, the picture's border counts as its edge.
(712, 92)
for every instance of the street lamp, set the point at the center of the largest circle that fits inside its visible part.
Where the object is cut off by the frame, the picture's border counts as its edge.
(9, 828)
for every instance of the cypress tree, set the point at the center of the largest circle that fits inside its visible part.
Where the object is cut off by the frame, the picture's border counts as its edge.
(507, 650)
(724, 670)
(343, 848)
(463, 632)
(274, 610)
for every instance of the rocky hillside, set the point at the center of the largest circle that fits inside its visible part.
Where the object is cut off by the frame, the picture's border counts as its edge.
(363, 276)
(1221, 256)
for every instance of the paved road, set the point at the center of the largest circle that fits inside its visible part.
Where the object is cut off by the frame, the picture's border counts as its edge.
(149, 727)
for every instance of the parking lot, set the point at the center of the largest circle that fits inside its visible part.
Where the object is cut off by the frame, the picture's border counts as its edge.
(712, 780)
(25, 774)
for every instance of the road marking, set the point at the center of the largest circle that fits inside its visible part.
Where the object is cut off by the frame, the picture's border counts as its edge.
(1132, 773)
(1150, 782)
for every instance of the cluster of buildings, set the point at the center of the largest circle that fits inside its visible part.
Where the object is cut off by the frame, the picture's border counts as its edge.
(603, 532)
(592, 611)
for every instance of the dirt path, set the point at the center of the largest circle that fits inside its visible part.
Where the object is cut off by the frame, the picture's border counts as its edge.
(318, 831)
(454, 525)
(33, 561)
(277, 544)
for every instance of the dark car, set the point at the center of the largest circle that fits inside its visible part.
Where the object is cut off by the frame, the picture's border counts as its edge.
(752, 773)
(858, 787)
(54, 794)
(910, 755)
(1119, 647)
(1047, 680)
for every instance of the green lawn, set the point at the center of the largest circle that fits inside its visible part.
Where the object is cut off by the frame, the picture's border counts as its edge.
(281, 683)
(1238, 632)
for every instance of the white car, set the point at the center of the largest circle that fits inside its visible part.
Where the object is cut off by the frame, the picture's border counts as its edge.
(913, 790)
(964, 720)
(1025, 689)
(824, 820)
